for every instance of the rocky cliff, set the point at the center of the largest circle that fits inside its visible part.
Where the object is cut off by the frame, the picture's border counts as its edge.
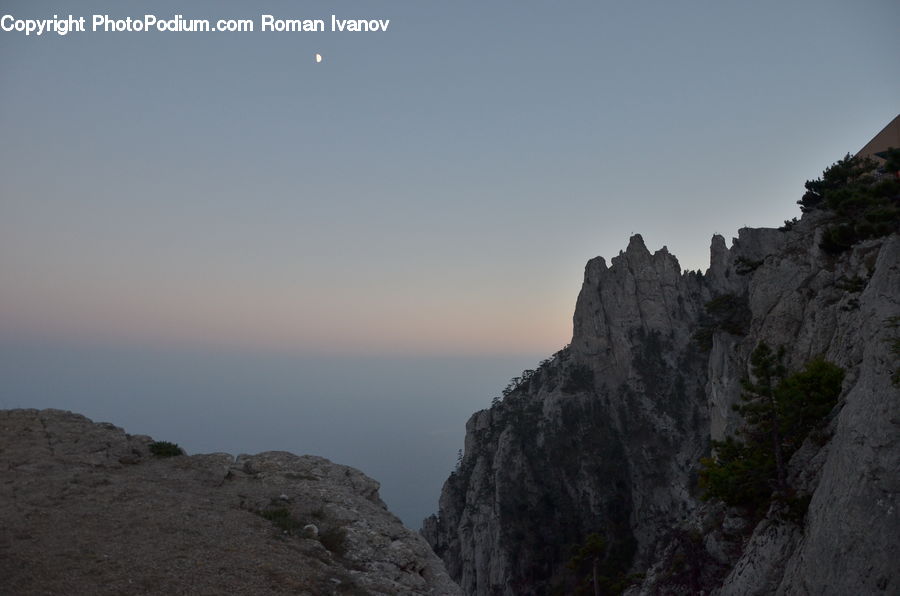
(87, 509)
(600, 445)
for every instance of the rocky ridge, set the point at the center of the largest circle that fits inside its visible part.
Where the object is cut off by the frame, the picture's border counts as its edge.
(605, 437)
(87, 509)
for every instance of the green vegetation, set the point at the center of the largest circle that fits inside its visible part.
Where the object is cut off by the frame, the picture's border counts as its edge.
(779, 411)
(519, 383)
(789, 224)
(335, 540)
(282, 519)
(894, 341)
(852, 285)
(729, 313)
(598, 569)
(863, 200)
(743, 265)
(579, 377)
(165, 449)
(689, 566)
(545, 375)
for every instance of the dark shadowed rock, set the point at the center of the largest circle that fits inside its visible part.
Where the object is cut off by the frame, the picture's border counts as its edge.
(605, 438)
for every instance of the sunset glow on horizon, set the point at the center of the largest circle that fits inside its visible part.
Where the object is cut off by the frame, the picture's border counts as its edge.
(302, 323)
(195, 194)
(343, 240)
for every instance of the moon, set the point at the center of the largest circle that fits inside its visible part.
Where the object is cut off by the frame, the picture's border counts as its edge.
(318, 58)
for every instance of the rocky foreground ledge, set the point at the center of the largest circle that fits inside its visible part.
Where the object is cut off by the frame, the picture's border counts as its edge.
(86, 508)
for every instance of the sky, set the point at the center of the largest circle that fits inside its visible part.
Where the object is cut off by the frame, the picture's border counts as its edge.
(424, 195)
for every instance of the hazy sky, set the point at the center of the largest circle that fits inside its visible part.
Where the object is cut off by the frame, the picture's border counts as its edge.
(431, 190)
(434, 188)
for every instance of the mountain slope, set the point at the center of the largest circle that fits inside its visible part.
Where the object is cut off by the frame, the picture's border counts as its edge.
(87, 509)
(605, 438)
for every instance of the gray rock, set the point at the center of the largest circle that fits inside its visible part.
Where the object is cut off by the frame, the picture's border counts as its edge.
(85, 508)
(607, 435)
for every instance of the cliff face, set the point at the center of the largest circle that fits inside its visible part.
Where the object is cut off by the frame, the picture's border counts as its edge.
(605, 438)
(87, 509)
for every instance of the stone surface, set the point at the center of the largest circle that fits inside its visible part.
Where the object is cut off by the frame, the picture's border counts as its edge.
(86, 509)
(602, 439)
(617, 452)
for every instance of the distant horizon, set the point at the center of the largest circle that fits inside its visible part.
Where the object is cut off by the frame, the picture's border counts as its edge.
(166, 340)
(434, 187)
(220, 232)
(163, 341)
(398, 419)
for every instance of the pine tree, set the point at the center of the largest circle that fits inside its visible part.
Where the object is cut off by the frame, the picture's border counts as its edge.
(761, 409)
(779, 411)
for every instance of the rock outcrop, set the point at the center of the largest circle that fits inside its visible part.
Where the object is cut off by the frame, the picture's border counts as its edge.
(605, 438)
(87, 509)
